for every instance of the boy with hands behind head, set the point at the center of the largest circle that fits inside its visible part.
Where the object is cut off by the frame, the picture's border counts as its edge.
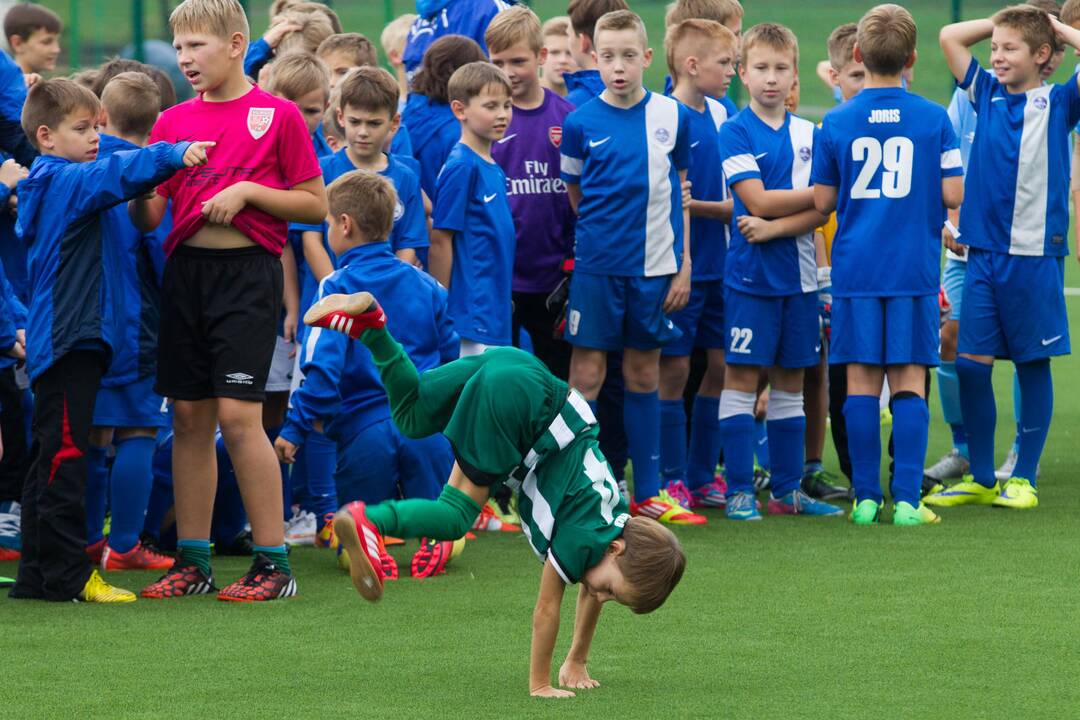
(1016, 223)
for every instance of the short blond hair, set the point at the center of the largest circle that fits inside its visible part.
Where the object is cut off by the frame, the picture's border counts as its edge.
(699, 38)
(132, 100)
(220, 18)
(886, 39)
(722, 11)
(330, 124)
(771, 35)
(652, 563)
(48, 102)
(841, 45)
(369, 199)
(360, 50)
(1032, 23)
(558, 25)
(517, 24)
(369, 88)
(396, 34)
(320, 8)
(622, 20)
(315, 27)
(297, 74)
(279, 6)
(1070, 12)
(470, 79)
(87, 78)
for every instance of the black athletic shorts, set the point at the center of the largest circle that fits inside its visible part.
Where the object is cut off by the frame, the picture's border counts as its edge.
(219, 323)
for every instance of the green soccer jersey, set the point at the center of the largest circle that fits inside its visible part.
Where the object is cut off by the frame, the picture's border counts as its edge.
(570, 505)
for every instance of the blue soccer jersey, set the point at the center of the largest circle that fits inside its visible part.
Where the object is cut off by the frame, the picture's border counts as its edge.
(886, 151)
(627, 163)
(1017, 184)
(780, 158)
(708, 237)
(471, 201)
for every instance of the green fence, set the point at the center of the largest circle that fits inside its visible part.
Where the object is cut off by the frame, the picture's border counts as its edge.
(97, 29)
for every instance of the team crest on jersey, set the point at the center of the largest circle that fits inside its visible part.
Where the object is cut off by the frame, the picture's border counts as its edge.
(1039, 103)
(555, 135)
(259, 120)
(662, 135)
(399, 211)
(804, 153)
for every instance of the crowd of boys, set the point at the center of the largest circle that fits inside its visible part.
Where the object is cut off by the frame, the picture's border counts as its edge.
(712, 284)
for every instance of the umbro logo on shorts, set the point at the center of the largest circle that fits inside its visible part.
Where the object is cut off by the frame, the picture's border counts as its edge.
(239, 378)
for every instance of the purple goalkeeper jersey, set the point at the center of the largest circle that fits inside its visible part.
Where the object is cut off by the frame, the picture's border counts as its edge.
(543, 220)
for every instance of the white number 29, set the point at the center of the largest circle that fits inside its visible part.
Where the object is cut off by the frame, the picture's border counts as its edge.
(895, 154)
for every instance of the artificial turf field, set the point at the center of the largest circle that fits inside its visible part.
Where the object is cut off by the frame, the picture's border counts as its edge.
(787, 618)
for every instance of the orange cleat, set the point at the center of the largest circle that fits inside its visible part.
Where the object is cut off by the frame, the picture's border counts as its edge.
(362, 544)
(139, 557)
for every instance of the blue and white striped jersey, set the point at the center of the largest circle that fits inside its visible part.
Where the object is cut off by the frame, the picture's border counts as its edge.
(627, 162)
(1017, 184)
(781, 159)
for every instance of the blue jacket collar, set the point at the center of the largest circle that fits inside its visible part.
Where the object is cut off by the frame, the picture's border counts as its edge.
(362, 253)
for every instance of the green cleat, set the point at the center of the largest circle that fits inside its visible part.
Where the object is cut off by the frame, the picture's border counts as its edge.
(1018, 494)
(906, 514)
(865, 512)
(965, 492)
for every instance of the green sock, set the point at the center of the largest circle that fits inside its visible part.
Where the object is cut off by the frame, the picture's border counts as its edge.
(277, 555)
(448, 518)
(195, 552)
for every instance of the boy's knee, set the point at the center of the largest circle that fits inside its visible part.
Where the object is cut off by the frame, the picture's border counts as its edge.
(641, 370)
(587, 368)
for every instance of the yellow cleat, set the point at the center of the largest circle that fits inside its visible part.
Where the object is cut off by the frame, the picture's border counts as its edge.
(965, 492)
(97, 590)
(1018, 494)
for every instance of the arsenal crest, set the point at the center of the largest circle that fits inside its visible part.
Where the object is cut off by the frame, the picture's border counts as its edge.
(555, 135)
(259, 120)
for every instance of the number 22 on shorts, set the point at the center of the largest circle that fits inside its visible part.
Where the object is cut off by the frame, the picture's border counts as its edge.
(740, 340)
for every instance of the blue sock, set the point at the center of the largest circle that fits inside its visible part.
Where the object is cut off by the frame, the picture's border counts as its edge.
(787, 442)
(863, 417)
(911, 431)
(1035, 415)
(1018, 404)
(321, 496)
(812, 466)
(737, 436)
(949, 391)
(161, 493)
(761, 444)
(705, 442)
(672, 440)
(641, 418)
(980, 417)
(129, 492)
(286, 472)
(97, 493)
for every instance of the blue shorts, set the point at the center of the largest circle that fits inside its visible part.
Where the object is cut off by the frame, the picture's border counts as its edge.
(1014, 307)
(610, 312)
(701, 321)
(134, 405)
(767, 331)
(885, 331)
(379, 463)
(953, 282)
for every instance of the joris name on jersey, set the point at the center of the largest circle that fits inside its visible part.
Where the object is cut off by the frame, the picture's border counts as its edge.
(888, 115)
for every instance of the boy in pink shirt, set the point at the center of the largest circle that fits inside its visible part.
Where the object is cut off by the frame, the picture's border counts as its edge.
(222, 291)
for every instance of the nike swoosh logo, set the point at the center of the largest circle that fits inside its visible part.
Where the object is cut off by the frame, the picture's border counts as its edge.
(758, 157)
(996, 99)
(507, 138)
(695, 144)
(489, 198)
(598, 143)
(1050, 341)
